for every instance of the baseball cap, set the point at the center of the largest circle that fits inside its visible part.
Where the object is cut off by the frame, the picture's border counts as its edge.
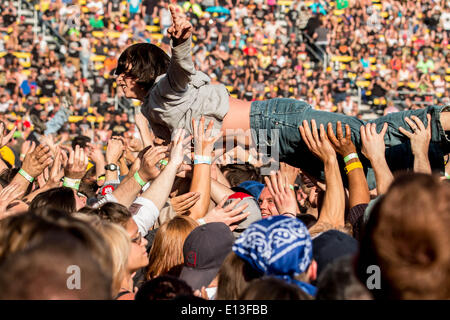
(331, 245)
(253, 208)
(254, 187)
(278, 246)
(204, 251)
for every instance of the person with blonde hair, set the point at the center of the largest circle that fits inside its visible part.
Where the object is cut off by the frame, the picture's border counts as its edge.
(119, 243)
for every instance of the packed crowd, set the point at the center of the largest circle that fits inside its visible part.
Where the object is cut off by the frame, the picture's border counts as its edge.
(84, 187)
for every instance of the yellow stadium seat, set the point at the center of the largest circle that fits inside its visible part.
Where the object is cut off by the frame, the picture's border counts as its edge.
(367, 75)
(22, 55)
(85, 9)
(44, 100)
(373, 68)
(241, 63)
(157, 36)
(344, 59)
(284, 3)
(266, 89)
(363, 84)
(434, 77)
(309, 73)
(156, 20)
(230, 88)
(447, 70)
(234, 95)
(338, 12)
(372, 59)
(114, 34)
(26, 72)
(98, 58)
(98, 34)
(412, 85)
(447, 78)
(75, 118)
(2, 54)
(291, 89)
(153, 29)
(376, 101)
(99, 66)
(385, 14)
(368, 93)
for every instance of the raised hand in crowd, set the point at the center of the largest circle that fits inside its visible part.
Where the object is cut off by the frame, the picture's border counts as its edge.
(114, 151)
(77, 164)
(27, 147)
(284, 197)
(7, 195)
(357, 183)
(36, 161)
(182, 203)
(420, 142)
(204, 141)
(231, 214)
(5, 138)
(317, 141)
(373, 148)
(181, 28)
(332, 212)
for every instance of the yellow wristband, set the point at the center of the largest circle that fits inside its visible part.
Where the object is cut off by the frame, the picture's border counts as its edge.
(353, 166)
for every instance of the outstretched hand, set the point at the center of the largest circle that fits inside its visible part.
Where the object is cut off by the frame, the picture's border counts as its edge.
(284, 197)
(420, 137)
(317, 142)
(230, 215)
(181, 29)
(342, 144)
(373, 146)
(4, 139)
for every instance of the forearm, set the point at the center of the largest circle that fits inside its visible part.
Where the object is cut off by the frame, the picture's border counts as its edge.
(33, 194)
(357, 186)
(201, 183)
(100, 168)
(383, 175)
(181, 67)
(333, 208)
(219, 191)
(123, 167)
(160, 188)
(21, 182)
(422, 163)
(221, 178)
(127, 192)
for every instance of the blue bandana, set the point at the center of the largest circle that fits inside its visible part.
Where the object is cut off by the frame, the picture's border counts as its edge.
(278, 246)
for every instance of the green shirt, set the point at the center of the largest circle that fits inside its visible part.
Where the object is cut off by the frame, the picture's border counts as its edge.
(97, 24)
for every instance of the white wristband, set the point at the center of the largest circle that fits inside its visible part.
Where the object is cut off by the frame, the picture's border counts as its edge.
(201, 221)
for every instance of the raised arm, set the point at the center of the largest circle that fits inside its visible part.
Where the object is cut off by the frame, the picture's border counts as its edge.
(129, 188)
(159, 190)
(373, 148)
(420, 142)
(332, 213)
(357, 184)
(181, 67)
(201, 177)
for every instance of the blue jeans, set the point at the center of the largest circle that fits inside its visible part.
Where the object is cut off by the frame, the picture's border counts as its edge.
(56, 123)
(285, 115)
